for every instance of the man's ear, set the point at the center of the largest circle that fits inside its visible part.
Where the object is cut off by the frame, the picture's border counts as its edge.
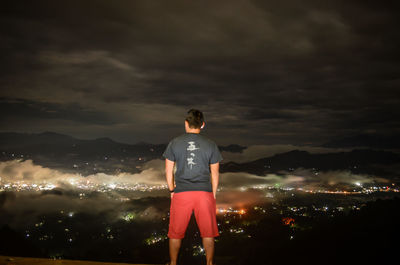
(202, 126)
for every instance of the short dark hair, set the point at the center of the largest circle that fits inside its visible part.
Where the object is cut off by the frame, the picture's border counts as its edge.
(195, 118)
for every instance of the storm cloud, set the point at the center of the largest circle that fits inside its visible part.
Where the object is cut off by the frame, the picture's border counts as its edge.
(263, 72)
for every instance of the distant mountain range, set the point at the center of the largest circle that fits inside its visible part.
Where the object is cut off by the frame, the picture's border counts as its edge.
(359, 161)
(69, 154)
(64, 152)
(55, 144)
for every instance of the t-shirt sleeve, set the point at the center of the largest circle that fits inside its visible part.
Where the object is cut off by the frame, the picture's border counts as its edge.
(168, 153)
(215, 155)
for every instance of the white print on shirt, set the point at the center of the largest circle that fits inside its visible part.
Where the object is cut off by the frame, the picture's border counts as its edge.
(190, 162)
(191, 147)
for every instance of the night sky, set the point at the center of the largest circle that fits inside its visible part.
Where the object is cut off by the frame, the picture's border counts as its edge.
(263, 72)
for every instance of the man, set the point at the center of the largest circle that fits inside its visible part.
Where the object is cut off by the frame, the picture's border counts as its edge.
(196, 180)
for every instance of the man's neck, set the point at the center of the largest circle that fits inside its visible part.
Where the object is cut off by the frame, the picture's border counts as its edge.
(193, 131)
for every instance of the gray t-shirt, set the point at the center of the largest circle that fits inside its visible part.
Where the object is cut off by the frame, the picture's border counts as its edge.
(193, 154)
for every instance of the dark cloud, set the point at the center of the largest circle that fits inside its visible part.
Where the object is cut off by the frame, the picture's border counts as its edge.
(22, 109)
(284, 72)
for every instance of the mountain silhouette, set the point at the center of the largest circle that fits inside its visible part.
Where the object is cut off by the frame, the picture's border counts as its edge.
(64, 152)
(70, 154)
(356, 161)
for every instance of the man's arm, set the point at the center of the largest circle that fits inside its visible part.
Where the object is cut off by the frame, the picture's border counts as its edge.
(214, 168)
(169, 173)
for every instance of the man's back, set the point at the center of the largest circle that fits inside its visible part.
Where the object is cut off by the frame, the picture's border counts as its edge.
(194, 185)
(193, 153)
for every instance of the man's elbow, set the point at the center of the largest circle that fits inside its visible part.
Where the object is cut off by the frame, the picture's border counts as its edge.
(169, 174)
(214, 174)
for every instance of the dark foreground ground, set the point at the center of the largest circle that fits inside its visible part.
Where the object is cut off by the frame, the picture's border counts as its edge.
(368, 235)
(6, 260)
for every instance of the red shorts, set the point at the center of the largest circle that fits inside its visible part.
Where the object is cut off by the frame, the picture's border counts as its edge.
(183, 204)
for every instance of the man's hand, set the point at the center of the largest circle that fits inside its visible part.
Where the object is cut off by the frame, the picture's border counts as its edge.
(172, 195)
